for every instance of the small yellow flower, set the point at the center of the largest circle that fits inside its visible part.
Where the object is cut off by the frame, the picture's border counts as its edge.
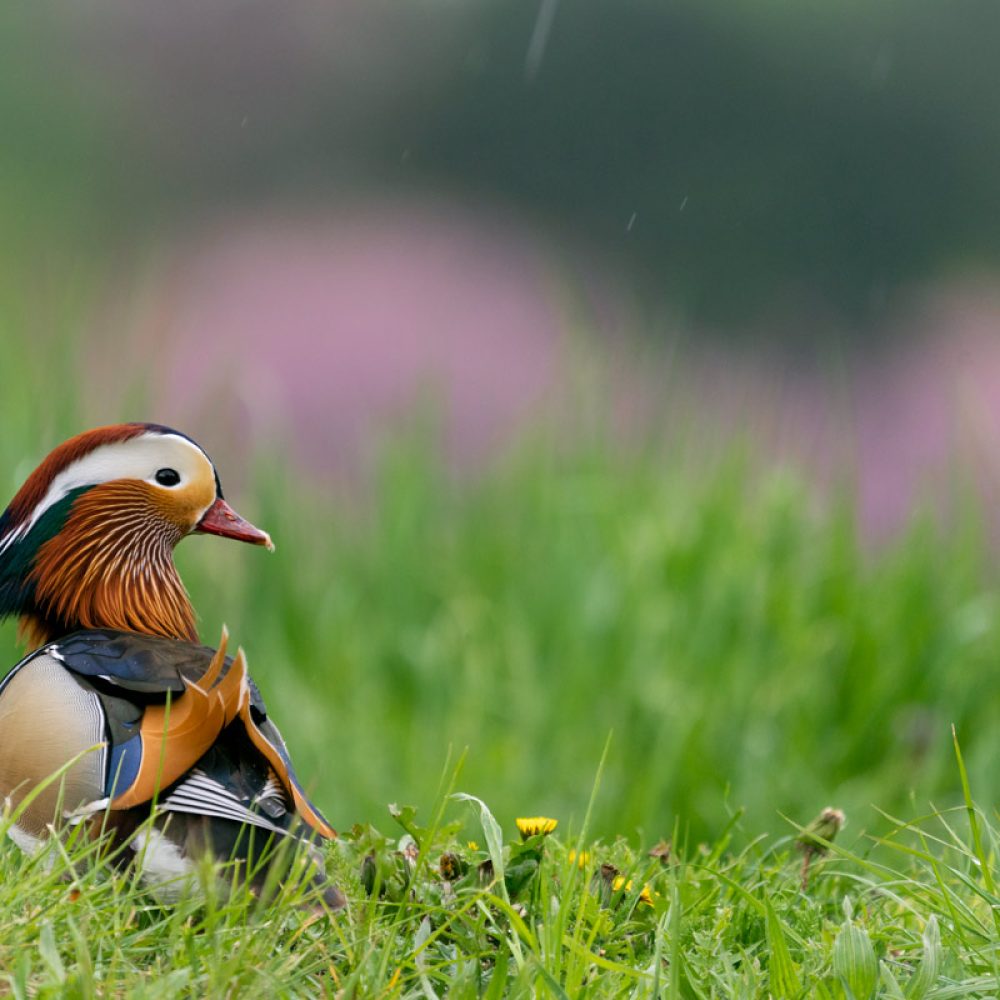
(645, 895)
(472, 845)
(582, 860)
(531, 826)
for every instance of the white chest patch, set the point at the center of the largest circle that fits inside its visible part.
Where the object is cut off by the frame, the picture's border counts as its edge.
(164, 868)
(33, 845)
(28, 843)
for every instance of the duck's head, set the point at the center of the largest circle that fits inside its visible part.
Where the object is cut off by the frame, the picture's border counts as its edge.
(88, 540)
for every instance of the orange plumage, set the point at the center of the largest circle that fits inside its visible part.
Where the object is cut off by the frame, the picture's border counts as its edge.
(112, 566)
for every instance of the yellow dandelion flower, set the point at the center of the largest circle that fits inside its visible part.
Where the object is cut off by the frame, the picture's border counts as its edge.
(581, 860)
(531, 826)
(645, 895)
(472, 845)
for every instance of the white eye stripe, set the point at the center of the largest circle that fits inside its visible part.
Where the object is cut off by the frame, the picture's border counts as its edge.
(140, 457)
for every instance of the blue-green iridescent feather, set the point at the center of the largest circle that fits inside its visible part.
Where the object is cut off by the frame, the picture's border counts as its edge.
(17, 589)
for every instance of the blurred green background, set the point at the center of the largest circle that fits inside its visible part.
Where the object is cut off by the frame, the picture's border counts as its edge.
(734, 156)
(597, 366)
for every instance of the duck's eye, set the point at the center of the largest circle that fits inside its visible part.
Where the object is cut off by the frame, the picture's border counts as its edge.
(167, 477)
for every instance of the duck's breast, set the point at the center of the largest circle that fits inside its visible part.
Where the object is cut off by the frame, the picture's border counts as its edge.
(48, 717)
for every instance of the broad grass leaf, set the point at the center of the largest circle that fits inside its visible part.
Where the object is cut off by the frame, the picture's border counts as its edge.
(50, 953)
(498, 978)
(420, 939)
(492, 833)
(785, 984)
(890, 985)
(854, 961)
(930, 962)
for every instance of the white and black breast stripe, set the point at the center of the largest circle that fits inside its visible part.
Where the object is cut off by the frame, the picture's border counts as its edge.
(201, 795)
(273, 791)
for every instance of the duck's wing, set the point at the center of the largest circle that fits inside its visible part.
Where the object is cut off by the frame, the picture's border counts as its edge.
(181, 724)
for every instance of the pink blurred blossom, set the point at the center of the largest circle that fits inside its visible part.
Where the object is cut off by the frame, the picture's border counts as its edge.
(322, 331)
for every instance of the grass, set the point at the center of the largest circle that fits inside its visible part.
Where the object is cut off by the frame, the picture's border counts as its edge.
(750, 659)
(913, 915)
(744, 651)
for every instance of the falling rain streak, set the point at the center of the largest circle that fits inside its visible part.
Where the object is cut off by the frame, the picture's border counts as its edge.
(539, 38)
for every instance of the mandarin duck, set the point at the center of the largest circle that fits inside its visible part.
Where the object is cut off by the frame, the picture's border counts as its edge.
(162, 741)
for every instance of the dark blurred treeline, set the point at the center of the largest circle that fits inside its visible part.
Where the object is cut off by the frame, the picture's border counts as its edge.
(736, 158)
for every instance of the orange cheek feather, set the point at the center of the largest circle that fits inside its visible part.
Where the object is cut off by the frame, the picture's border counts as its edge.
(183, 507)
(112, 566)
